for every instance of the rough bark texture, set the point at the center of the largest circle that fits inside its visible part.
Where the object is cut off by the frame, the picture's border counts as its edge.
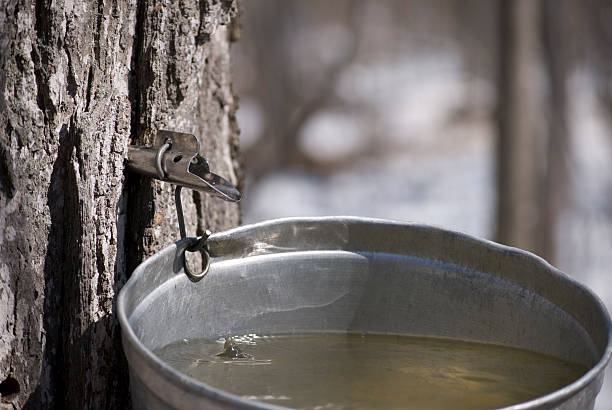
(79, 81)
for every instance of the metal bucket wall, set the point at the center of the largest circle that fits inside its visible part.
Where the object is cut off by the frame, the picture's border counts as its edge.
(329, 274)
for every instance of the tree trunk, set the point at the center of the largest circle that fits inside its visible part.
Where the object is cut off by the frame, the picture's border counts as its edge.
(557, 45)
(535, 57)
(79, 81)
(519, 121)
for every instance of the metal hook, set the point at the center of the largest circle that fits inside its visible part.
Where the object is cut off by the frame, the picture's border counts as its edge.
(179, 211)
(199, 246)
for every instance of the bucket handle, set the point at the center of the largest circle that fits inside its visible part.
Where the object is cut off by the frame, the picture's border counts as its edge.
(199, 246)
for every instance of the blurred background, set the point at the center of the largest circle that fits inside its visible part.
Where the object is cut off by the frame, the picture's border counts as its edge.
(488, 117)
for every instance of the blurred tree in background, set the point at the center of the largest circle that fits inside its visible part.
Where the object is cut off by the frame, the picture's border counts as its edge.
(532, 122)
(296, 60)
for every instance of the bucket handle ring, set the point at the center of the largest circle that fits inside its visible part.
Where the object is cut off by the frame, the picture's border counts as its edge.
(199, 246)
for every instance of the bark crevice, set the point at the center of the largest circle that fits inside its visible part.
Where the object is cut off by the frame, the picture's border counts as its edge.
(40, 58)
(57, 269)
(6, 181)
(140, 207)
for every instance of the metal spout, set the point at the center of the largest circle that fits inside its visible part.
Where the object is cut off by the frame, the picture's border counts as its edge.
(175, 158)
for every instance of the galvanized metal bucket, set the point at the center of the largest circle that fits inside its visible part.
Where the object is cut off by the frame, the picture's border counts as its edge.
(337, 273)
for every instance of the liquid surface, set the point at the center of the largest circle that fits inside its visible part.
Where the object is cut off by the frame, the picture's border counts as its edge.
(350, 371)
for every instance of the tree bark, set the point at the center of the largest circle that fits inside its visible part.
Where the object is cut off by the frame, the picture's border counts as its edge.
(79, 81)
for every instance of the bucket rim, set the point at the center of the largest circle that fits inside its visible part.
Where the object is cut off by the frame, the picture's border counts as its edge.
(180, 379)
